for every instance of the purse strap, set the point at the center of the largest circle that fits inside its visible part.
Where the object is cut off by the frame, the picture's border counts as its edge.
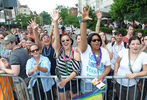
(129, 61)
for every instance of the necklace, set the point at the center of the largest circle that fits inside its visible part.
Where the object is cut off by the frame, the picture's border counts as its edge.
(66, 60)
(70, 54)
(46, 52)
(98, 61)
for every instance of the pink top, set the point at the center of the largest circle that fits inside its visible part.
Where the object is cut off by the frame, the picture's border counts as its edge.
(125, 39)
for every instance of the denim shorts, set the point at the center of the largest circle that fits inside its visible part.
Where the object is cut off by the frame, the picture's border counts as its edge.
(87, 87)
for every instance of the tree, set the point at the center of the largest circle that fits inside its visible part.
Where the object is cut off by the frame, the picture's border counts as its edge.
(45, 17)
(23, 19)
(129, 10)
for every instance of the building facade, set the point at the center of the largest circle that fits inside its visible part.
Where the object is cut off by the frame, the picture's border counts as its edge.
(102, 5)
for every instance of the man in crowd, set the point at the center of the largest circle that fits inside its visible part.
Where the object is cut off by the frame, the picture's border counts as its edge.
(17, 62)
(130, 30)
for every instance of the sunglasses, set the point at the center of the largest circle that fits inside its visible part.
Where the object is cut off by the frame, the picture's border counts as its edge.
(65, 40)
(94, 40)
(35, 50)
(1, 38)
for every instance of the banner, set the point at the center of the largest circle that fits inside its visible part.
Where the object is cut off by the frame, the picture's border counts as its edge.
(93, 95)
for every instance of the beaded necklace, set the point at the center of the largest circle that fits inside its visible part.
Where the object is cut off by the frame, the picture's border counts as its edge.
(45, 52)
(66, 60)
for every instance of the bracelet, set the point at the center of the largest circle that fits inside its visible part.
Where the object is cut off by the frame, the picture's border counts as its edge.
(115, 71)
(101, 76)
(83, 21)
(97, 25)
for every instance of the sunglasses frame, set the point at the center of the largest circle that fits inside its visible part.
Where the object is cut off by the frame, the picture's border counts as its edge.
(94, 40)
(35, 50)
(65, 40)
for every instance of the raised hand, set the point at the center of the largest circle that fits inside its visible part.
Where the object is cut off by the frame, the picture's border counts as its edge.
(85, 14)
(33, 24)
(98, 14)
(55, 15)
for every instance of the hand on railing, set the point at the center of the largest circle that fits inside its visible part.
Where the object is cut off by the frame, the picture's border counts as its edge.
(62, 83)
(131, 75)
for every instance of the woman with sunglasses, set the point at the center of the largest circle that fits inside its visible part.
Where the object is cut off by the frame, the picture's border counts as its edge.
(67, 60)
(131, 63)
(39, 65)
(97, 62)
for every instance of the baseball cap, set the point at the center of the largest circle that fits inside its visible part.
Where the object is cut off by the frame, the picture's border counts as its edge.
(9, 38)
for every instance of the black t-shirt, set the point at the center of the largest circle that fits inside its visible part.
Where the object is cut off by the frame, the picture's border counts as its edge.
(63, 28)
(19, 57)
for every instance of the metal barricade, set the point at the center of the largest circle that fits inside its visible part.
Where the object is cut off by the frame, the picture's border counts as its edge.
(56, 95)
(13, 88)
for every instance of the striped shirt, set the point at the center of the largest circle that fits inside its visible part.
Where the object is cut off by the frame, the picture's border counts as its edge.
(72, 65)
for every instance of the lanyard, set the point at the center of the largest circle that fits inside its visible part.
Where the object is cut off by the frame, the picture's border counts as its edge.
(98, 61)
(131, 65)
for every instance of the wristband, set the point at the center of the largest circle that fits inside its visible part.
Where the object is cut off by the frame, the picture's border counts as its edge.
(115, 71)
(97, 25)
(101, 76)
(83, 21)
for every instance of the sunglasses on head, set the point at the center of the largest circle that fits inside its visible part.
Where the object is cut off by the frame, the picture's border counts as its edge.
(94, 40)
(65, 40)
(35, 50)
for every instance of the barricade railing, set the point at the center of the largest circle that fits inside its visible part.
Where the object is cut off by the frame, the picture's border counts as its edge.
(13, 88)
(106, 94)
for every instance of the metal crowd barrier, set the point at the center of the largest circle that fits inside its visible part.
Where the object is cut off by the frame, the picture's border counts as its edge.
(15, 88)
(78, 78)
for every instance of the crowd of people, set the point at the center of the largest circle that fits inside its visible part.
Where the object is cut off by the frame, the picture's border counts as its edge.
(39, 54)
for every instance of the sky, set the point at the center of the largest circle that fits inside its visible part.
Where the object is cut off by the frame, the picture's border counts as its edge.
(47, 5)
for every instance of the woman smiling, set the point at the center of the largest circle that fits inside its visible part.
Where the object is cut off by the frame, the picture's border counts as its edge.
(39, 65)
(68, 60)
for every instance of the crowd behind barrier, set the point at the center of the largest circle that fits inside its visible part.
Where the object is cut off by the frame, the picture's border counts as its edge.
(8, 85)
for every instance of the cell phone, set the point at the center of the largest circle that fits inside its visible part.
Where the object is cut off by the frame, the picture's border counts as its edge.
(58, 74)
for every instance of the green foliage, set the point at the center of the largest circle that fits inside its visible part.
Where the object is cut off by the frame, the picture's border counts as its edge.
(109, 30)
(92, 24)
(67, 18)
(46, 18)
(129, 10)
(106, 30)
(23, 19)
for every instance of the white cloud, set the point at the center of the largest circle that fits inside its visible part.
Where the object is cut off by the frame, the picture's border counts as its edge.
(47, 5)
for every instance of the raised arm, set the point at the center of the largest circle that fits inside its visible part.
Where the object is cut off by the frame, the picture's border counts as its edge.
(55, 17)
(83, 29)
(34, 26)
(99, 16)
